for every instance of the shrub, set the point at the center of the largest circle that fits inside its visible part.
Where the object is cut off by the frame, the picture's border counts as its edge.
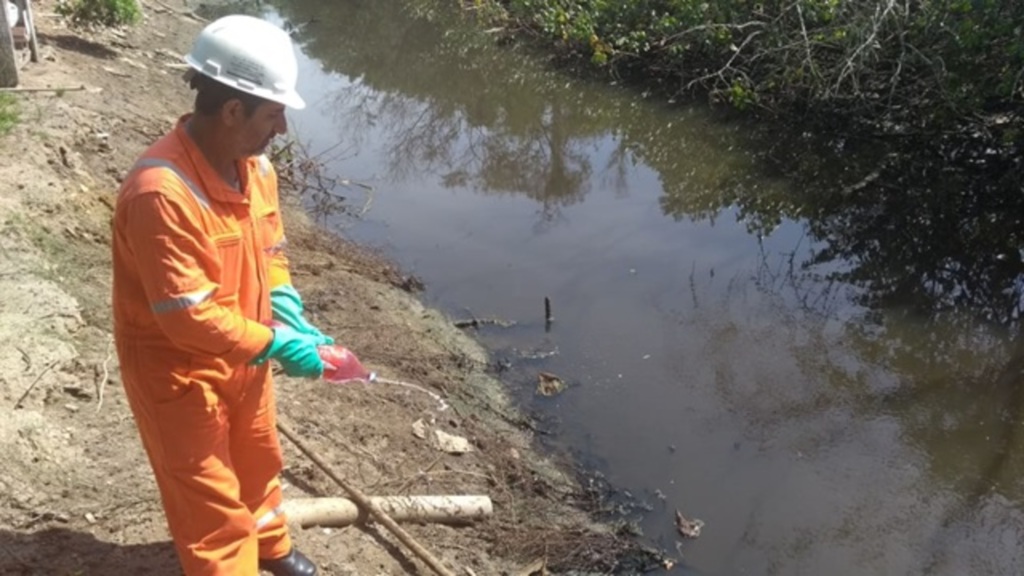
(907, 63)
(102, 12)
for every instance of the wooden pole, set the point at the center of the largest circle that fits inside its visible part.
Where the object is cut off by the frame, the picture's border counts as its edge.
(548, 318)
(360, 499)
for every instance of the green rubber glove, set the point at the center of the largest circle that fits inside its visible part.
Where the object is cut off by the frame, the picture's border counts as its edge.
(287, 308)
(297, 353)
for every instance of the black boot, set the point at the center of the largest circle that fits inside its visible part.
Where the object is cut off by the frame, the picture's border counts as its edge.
(294, 564)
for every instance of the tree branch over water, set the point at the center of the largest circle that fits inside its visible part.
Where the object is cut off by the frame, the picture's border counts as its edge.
(891, 65)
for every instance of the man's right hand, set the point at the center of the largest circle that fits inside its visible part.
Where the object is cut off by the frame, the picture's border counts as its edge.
(297, 352)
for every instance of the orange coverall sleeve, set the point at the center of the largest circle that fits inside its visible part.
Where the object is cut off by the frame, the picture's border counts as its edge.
(279, 272)
(178, 262)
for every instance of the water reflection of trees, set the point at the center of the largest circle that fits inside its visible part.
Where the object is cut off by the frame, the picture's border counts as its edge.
(928, 231)
(500, 128)
(929, 239)
(444, 101)
(924, 235)
(931, 244)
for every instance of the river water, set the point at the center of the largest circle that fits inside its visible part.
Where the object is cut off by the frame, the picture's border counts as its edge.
(809, 360)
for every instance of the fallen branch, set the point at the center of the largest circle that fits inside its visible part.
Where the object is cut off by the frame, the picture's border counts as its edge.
(419, 474)
(477, 322)
(363, 502)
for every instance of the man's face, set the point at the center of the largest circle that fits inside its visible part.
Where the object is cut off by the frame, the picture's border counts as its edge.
(254, 133)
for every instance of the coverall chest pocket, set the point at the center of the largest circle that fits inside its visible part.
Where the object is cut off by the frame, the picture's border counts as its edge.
(229, 251)
(270, 233)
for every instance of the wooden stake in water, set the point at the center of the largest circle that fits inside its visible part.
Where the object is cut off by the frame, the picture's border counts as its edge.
(548, 318)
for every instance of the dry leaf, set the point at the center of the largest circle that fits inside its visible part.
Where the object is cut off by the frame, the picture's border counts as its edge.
(548, 384)
(686, 527)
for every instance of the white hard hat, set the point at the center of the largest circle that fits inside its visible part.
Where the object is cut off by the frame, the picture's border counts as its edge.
(251, 55)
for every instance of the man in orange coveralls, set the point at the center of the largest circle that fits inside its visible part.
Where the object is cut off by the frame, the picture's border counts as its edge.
(199, 273)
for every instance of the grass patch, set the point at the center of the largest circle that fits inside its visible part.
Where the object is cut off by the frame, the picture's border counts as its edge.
(100, 12)
(9, 112)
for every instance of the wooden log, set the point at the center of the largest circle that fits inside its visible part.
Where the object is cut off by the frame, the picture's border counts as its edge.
(337, 512)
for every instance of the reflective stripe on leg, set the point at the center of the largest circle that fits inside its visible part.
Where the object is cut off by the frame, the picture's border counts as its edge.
(267, 518)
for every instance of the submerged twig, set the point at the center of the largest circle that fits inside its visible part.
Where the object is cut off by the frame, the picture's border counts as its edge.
(477, 322)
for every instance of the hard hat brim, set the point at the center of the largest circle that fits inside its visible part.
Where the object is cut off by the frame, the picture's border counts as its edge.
(291, 99)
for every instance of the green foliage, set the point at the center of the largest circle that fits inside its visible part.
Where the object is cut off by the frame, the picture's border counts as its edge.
(102, 12)
(9, 113)
(901, 64)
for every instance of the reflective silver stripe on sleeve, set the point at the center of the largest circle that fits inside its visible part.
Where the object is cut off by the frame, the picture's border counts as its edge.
(268, 517)
(168, 165)
(181, 302)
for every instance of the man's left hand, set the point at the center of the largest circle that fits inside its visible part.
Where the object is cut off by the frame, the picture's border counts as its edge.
(287, 307)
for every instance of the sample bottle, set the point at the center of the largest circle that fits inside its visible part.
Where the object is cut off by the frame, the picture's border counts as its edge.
(341, 365)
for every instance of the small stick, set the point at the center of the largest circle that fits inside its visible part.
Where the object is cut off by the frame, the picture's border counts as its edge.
(106, 375)
(33, 384)
(477, 322)
(548, 318)
(26, 358)
(363, 502)
(369, 199)
(419, 474)
(35, 89)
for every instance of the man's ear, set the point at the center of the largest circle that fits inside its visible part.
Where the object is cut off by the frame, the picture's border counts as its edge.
(232, 113)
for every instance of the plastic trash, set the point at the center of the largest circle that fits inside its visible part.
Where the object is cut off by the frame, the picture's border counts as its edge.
(341, 365)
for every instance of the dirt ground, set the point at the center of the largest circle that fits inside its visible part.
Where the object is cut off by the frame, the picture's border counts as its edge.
(76, 493)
